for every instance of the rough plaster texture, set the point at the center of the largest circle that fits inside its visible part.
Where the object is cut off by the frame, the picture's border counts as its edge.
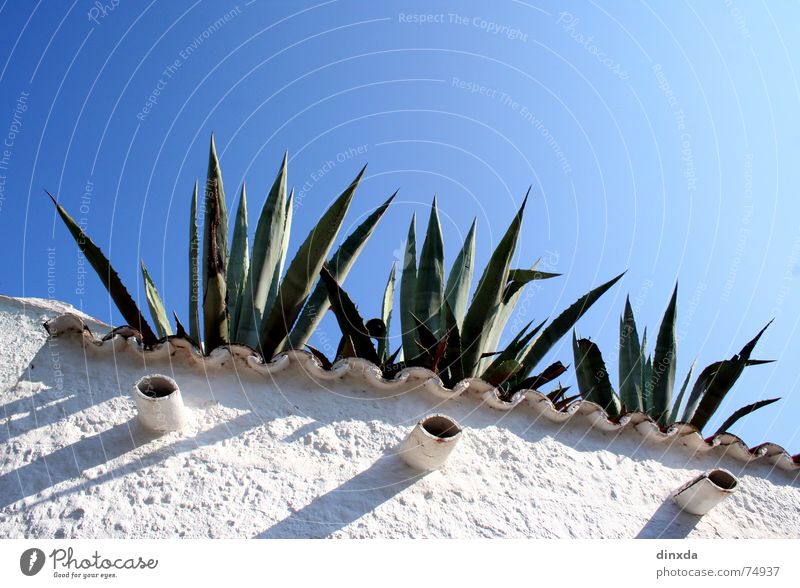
(288, 455)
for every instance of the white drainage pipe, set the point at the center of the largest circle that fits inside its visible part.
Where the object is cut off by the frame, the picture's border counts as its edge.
(160, 405)
(702, 493)
(430, 442)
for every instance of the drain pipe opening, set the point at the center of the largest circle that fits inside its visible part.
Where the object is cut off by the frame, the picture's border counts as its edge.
(702, 493)
(159, 402)
(430, 442)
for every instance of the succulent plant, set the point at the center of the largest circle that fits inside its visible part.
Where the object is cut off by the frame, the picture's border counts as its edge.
(443, 330)
(646, 382)
(246, 296)
(458, 336)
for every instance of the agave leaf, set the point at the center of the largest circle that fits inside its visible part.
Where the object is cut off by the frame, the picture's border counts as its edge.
(427, 339)
(592, 376)
(346, 348)
(721, 382)
(180, 331)
(456, 292)
(268, 244)
(438, 354)
(393, 356)
(557, 394)
(348, 318)
(488, 297)
(452, 369)
(386, 315)
(673, 415)
(550, 373)
(514, 349)
(339, 265)
(276, 276)
(238, 265)
(302, 273)
(698, 389)
(743, 412)
(287, 231)
(499, 374)
(664, 361)
(630, 361)
(157, 311)
(194, 271)
(430, 275)
(215, 191)
(563, 404)
(511, 296)
(758, 362)
(529, 275)
(326, 363)
(647, 386)
(408, 288)
(561, 325)
(109, 276)
(215, 258)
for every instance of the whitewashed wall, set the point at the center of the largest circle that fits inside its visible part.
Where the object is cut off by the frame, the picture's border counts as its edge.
(287, 455)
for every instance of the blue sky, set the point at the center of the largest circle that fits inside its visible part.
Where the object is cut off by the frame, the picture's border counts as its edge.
(658, 138)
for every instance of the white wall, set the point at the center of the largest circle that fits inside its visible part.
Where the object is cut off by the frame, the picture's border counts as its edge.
(288, 455)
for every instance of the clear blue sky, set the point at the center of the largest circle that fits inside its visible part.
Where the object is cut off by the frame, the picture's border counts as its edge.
(661, 138)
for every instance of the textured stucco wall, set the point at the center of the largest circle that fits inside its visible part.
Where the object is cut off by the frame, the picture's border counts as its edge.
(287, 455)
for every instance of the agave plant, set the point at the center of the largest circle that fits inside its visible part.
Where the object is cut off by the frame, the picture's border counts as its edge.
(245, 294)
(456, 336)
(646, 382)
(444, 331)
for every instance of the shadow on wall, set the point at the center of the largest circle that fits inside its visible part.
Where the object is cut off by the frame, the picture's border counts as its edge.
(345, 504)
(51, 369)
(669, 522)
(68, 462)
(54, 404)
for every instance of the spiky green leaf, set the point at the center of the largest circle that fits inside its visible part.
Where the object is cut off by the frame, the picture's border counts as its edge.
(511, 295)
(303, 272)
(647, 386)
(524, 276)
(673, 414)
(456, 291)
(215, 191)
(109, 276)
(215, 258)
(561, 325)
(339, 266)
(238, 264)
(630, 361)
(592, 376)
(194, 270)
(386, 315)
(743, 412)
(408, 289)
(179, 330)
(498, 374)
(514, 348)
(348, 318)
(430, 274)
(324, 361)
(488, 297)
(451, 370)
(722, 381)
(664, 362)
(268, 244)
(157, 310)
(550, 373)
